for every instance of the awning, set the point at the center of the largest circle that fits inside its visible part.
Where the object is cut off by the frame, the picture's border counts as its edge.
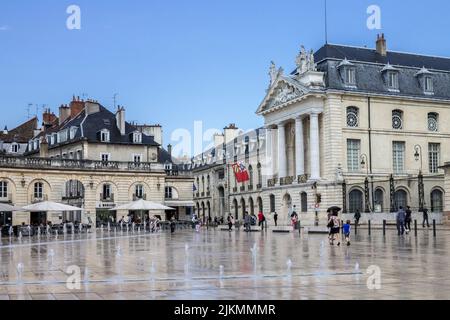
(179, 203)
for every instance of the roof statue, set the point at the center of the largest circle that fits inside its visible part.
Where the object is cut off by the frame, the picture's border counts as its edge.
(305, 61)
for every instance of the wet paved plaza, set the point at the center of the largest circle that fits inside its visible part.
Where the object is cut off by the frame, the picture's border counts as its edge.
(214, 265)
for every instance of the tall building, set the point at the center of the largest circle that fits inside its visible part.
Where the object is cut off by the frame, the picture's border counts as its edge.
(360, 128)
(94, 159)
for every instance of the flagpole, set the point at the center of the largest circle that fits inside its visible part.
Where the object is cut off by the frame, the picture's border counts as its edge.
(326, 23)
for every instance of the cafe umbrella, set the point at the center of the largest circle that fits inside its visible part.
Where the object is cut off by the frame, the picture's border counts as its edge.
(48, 206)
(142, 205)
(7, 208)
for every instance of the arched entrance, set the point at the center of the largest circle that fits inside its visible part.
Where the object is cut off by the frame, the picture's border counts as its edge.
(251, 205)
(208, 205)
(286, 208)
(235, 206)
(260, 204)
(355, 201)
(203, 214)
(401, 199)
(243, 208)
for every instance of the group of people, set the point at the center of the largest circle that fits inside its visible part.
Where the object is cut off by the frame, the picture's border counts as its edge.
(249, 220)
(335, 226)
(404, 219)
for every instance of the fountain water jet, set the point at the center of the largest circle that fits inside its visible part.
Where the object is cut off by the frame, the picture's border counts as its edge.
(254, 251)
(289, 268)
(20, 268)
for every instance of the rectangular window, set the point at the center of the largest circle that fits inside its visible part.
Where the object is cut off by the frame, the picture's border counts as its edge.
(434, 154)
(350, 76)
(428, 84)
(139, 191)
(106, 191)
(168, 193)
(3, 189)
(38, 190)
(137, 158)
(105, 157)
(398, 154)
(393, 80)
(353, 154)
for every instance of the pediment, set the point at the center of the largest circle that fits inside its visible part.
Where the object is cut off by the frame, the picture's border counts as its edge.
(281, 92)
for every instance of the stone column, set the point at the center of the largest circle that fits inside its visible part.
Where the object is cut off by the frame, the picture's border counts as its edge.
(314, 146)
(282, 161)
(299, 148)
(269, 166)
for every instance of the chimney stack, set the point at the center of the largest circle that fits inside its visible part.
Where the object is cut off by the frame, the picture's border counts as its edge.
(120, 119)
(43, 148)
(64, 113)
(76, 106)
(169, 150)
(381, 45)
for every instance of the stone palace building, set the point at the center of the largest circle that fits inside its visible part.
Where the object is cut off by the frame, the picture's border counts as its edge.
(89, 157)
(363, 129)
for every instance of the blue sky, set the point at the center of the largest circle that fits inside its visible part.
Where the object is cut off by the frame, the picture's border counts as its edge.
(174, 62)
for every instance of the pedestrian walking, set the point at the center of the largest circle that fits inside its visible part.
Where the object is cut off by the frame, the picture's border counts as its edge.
(357, 217)
(401, 216)
(347, 230)
(335, 228)
(261, 219)
(294, 218)
(172, 225)
(247, 222)
(275, 218)
(230, 222)
(425, 217)
(408, 219)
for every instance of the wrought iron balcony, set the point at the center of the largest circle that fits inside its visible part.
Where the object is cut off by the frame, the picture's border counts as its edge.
(73, 196)
(286, 181)
(272, 182)
(44, 163)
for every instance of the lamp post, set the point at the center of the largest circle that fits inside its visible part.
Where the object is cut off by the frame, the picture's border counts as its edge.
(365, 163)
(418, 155)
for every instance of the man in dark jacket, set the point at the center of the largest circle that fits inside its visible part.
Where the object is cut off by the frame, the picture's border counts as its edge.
(425, 217)
(401, 216)
(408, 219)
(357, 217)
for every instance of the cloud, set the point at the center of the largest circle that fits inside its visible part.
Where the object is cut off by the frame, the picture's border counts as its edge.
(4, 28)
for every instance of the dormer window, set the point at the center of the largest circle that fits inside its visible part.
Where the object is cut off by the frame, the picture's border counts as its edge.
(104, 135)
(391, 77)
(136, 137)
(15, 148)
(73, 132)
(348, 73)
(425, 78)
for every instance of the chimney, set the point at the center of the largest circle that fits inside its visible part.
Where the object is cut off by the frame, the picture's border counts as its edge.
(218, 140)
(43, 148)
(120, 119)
(169, 150)
(76, 106)
(381, 45)
(230, 133)
(64, 113)
(48, 118)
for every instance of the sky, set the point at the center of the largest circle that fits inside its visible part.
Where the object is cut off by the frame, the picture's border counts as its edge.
(174, 62)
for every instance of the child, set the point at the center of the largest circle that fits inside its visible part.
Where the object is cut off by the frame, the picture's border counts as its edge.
(347, 230)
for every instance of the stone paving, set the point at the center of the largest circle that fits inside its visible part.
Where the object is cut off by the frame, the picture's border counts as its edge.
(216, 265)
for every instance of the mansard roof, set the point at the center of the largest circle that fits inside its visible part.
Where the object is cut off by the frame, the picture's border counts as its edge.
(369, 76)
(21, 134)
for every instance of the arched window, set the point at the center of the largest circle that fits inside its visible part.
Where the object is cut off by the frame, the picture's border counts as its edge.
(397, 119)
(355, 201)
(401, 199)
(433, 122)
(304, 201)
(259, 175)
(3, 190)
(208, 183)
(352, 117)
(272, 203)
(379, 200)
(203, 184)
(437, 201)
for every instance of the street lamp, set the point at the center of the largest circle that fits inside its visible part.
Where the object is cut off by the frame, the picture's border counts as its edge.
(365, 163)
(419, 156)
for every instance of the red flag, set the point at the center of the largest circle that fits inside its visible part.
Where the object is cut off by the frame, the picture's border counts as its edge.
(240, 172)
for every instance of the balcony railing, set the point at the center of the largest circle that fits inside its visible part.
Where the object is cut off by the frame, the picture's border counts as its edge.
(303, 179)
(139, 197)
(272, 182)
(73, 196)
(286, 181)
(43, 163)
(107, 198)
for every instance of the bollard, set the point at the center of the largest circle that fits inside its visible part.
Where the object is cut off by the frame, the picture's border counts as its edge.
(384, 227)
(370, 228)
(434, 228)
(415, 228)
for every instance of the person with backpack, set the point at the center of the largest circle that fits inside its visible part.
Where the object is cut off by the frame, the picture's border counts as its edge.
(335, 229)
